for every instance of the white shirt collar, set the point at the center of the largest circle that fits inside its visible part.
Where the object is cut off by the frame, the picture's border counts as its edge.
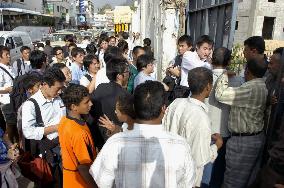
(219, 70)
(7, 67)
(199, 103)
(147, 128)
(41, 99)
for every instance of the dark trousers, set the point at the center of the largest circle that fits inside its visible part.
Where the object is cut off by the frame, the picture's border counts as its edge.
(219, 167)
(267, 178)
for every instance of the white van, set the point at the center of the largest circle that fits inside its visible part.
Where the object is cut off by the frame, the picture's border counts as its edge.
(15, 40)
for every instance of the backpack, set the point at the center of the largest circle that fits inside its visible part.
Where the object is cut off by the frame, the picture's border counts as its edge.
(19, 63)
(18, 95)
(88, 77)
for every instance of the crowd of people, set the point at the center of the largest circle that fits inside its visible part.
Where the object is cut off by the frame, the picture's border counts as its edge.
(99, 117)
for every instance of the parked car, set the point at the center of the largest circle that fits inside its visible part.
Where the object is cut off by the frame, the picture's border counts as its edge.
(15, 40)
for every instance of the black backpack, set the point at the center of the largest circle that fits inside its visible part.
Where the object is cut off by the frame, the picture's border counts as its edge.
(18, 94)
(88, 77)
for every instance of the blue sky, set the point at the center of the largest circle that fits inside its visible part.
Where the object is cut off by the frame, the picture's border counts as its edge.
(100, 3)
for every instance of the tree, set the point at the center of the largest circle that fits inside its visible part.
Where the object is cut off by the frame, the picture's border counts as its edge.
(102, 10)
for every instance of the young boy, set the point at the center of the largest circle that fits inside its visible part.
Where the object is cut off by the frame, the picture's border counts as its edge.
(77, 147)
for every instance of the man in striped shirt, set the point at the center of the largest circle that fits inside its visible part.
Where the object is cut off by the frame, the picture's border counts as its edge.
(246, 123)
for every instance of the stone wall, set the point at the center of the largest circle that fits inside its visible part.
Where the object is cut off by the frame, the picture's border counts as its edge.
(250, 18)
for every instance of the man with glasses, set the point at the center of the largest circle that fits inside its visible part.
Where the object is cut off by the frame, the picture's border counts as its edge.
(104, 97)
(58, 56)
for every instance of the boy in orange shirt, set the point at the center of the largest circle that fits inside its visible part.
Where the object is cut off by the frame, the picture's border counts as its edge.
(77, 146)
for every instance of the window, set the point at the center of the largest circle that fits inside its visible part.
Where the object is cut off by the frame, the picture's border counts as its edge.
(10, 43)
(18, 41)
(237, 25)
(268, 26)
(58, 10)
(2, 39)
(66, 11)
(272, 1)
(22, 1)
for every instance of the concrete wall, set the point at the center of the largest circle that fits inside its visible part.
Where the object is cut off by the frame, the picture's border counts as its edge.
(251, 15)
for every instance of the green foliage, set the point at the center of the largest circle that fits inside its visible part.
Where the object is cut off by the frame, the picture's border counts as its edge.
(102, 10)
(238, 59)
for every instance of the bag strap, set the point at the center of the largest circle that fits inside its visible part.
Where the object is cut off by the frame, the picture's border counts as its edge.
(19, 66)
(7, 72)
(39, 120)
(88, 77)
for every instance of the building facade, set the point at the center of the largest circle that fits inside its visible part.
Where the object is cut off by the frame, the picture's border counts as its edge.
(260, 17)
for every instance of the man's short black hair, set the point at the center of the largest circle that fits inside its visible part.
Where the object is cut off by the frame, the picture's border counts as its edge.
(257, 67)
(136, 49)
(91, 48)
(123, 45)
(37, 59)
(102, 39)
(69, 38)
(47, 42)
(57, 48)
(88, 60)
(74, 94)
(53, 75)
(115, 67)
(2, 49)
(278, 51)
(187, 39)
(256, 42)
(204, 39)
(125, 35)
(147, 42)
(111, 37)
(59, 66)
(198, 79)
(149, 98)
(23, 48)
(112, 52)
(143, 61)
(76, 51)
(125, 103)
(221, 57)
(30, 80)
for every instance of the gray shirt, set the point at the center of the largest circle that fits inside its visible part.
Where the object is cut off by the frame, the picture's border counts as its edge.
(219, 112)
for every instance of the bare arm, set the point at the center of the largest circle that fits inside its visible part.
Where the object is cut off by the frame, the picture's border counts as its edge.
(92, 85)
(50, 129)
(84, 172)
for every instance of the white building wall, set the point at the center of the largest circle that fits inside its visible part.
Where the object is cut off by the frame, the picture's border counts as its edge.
(34, 5)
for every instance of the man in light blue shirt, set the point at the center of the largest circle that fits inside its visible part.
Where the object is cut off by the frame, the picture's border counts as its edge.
(76, 67)
(145, 66)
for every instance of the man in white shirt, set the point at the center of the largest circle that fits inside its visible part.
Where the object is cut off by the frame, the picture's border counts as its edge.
(22, 66)
(6, 82)
(52, 110)
(198, 58)
(147, 156)
(188, 117)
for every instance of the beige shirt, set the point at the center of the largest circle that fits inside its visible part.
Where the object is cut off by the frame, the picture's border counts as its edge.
(188, 118)
(247, 103)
